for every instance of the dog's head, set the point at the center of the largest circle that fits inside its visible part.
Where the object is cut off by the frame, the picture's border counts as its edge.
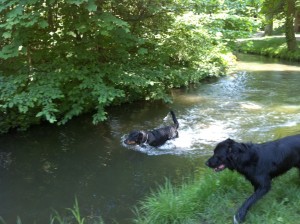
(136, 138)
(221, 158)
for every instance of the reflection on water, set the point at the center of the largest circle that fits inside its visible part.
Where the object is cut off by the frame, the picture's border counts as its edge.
(46, 166)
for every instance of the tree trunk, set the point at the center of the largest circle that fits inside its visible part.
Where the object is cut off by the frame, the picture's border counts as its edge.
(297, 21)
(269, 24)
(289, 25)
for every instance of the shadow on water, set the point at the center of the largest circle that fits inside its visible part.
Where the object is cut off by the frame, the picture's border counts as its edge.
(47, 166)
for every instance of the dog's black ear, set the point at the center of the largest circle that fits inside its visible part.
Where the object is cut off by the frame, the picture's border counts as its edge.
(239, 148)
(231, 144)
(140, 136)
(229, 140)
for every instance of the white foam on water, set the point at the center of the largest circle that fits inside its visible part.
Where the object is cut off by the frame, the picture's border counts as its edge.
(194, 138)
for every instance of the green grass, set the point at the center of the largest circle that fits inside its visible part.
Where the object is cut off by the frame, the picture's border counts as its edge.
(72, 217)
(273, 46)
(213, 198)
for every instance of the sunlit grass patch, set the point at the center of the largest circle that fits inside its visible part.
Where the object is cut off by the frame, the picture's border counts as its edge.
(199, 200)
(215, 197)
(268, 46)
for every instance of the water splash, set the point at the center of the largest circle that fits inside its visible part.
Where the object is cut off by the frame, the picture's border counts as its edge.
(246, 106)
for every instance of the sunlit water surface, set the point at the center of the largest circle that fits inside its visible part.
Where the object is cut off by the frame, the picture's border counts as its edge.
(46, 167)
(260, 101)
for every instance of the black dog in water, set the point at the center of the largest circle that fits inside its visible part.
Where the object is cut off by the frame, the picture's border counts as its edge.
(156, 137)
(259, 163)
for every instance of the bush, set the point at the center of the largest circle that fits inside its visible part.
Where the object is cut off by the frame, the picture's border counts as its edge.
(61, 59)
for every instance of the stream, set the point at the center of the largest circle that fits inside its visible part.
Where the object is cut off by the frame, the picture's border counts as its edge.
(43, 169)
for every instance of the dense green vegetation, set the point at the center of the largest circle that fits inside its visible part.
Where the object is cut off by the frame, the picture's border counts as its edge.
(59, 59)
(213, 198)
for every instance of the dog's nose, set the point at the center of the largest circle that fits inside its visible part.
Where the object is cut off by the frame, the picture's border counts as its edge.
(206, 163)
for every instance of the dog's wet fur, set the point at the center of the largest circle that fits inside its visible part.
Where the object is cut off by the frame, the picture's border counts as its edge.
(259, 163)
(156, 137)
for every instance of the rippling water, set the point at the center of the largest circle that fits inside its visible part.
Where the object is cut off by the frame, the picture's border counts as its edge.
(259, 102)
(47, 166)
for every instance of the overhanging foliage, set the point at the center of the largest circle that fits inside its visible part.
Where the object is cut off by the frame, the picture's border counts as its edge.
(59, 59)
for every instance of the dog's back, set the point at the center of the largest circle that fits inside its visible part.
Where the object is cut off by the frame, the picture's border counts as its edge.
(159, 136)
(280, 155)
(156, 137)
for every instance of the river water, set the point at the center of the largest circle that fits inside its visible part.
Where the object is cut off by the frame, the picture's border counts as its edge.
(46, 167)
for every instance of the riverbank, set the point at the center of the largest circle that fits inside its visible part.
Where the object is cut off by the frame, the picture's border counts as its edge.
(270, 46)
(215, 197)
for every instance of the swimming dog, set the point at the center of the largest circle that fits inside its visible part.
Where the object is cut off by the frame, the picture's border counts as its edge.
(156, 137)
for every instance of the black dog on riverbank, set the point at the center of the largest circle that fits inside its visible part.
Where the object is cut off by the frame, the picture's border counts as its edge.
(156, 137)
(259, 163)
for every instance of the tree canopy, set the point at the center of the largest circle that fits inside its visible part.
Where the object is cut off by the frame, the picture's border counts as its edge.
(59, 59)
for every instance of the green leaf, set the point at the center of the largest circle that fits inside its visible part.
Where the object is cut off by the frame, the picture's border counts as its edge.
(43, 24)
(6, 35)
(99, 116)
(142, 51)
(51, 118)
(92, 7)
(23, 109)
(9, 51)
(17, 11)
(39, 114)
(11, 104)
